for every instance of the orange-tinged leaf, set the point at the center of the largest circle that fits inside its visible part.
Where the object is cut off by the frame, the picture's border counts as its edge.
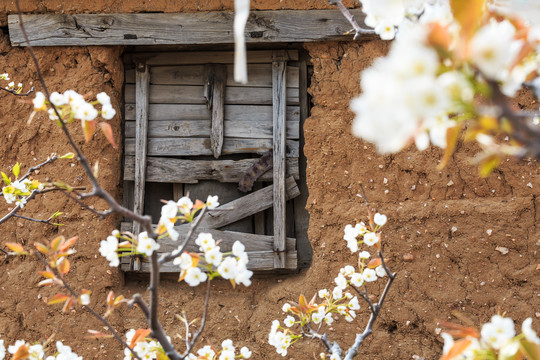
(68, 305)
(42, 248)
(57, 299)
(16, 248)
(469, 14)
(373, 263)
(302, 302)
(110, 298)
(63, 265)
(68, 243)
(94, 334)
(198, 204)
(46, 282)
(89, 127)
(452, 135)
(107, 130)
(458, 347)
(22, 352)
(119, 300)
(56, 243)
(139, 335)
(439, 36)
(460, 331)
(47, 274)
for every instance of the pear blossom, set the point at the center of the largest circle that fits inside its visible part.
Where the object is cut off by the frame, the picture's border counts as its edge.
(194, 276)
(212, 202)
(103, 98)
(341, 281)
(335, 356)
(245, 352)
(184, 205)
(107, 112)
(337, 293)
(498, 331)
(379, 219)
(530, 334)
(184, 261)
(227, 345)
(227, 268)
(364, 255)
(371, 239)
(52, 114)
(243, 275)
(85, 299)
(206, 352)
(348, 270)
(357, 279)
(323, 293)
(39, 101)
(146, 245)
(380, 271)
(289, 321)
(12, 349)
(214, 256)
(317, 317)
(226, 355)
(57, 99)
(286, 307)
(205, 241)
(238, 249)
(35, 352)
(108, 249)
(328, 319)
(353, 304)
(369, 275)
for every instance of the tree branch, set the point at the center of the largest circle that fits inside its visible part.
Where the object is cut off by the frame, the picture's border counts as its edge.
(51, 159)
(138, 300)
(203, 320)
(358, 31)
(14, 92)
(48, 221)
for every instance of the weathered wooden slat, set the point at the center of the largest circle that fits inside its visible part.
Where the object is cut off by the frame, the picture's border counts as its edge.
(141, 142)
(233, 128)
(217, 105)
(204, 57)
(170, 170)
(201, 146)
(201, 112)
(188, 28)
(252, 242)
(259, 261)
(279, 81)
(246, 206)
(260, 75)
(189, 94)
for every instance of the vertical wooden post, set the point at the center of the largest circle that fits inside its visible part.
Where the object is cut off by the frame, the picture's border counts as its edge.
(279, 99)
(142, 90)
(216, 78)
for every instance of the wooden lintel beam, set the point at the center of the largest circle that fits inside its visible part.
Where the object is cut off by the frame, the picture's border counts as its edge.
(193, 28)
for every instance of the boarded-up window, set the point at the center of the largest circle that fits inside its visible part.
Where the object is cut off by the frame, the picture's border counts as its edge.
(190, 129)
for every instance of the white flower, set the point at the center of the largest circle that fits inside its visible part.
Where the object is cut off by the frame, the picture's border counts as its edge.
(39, 101)
(226, 355)
(107, 112)
(370, 239)
(337, 293)
(108, 250)
(169, 210)
(227, 268)
(357, 279)
(206, 352)
(103, 98)
(289, 321)
(146, 245)
(448, 342)
(205, 241)
(379, 219)
(52, 114)
(36, 352)
(323, 293)
(364, 255)
(214, 256)
(85, 299)
(317, 317)
(353, 304)
(238, 249)
(227, 345)
(381, 272)
(352, 244)
(184, 261)
(341, 281)
(498, 331)
(350, 315)
(212, 202)
(185, 204)
(12, 349)
(369, 275)
(530, 334)
(328, 319)
(335, 356)
(286, 307)
(194, 276)
(243, 275)
(245, 352)
(85, 111)
(348, 270)
(73, 97)
(57, 99)
(493, 48)
(2, 350)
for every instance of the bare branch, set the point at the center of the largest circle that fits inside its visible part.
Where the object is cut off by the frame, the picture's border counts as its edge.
(203, 321)
(14, 92)
(358, 31)
(138, 300)
(333, 348)
(88, 308)
(48, 221)
(52, 159)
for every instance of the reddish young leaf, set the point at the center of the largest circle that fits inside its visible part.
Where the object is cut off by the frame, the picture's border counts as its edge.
(68, 243)
(452, 135)
(89, 127)
(107, 130)
(22, 353)
(373, 263)
(458, 347)
(47, 274)
(302, 302)
(68, 305)
(57, 299)
(139, 335)
(63, 265)
(16, 248)
(42, 248)
(469, 14)
(119, 300)
(56, 243)
(110, 298)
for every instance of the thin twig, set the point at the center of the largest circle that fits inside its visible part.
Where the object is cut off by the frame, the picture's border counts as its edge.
(358, 31)
(102, 214)
(138, 300)
(48, 221)
(203, 320)
(51, 159)
(14, 92)
(88, 308)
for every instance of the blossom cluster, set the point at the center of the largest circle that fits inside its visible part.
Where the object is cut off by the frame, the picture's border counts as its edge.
(11, 86)
(23, 350)
(231, 265)
(124, 244)
(18, 191)
(72, 105)
(369, 238)
(496, 340)
(435, 72)
(150, 349)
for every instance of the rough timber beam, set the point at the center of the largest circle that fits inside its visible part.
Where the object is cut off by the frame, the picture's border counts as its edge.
(176, 29)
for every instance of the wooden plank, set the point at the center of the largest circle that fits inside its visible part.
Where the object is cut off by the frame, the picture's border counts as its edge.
(301, 215)
(246, 206)
(170, 170)
(279, 86)
(259, 261)
(141, 137)
(201, 146)
(260, 75)
(252, 242)
(217, 105)
(201, 112)
(197, 128)
(258, 218)
(190, 94)
(188, 28)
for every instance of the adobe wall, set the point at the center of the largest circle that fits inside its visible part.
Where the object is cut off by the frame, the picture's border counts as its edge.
(455, 275)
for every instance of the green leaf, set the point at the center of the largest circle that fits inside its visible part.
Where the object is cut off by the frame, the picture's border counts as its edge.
(69, 155)
(56, 214)
(16, 170)
(6, 179)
